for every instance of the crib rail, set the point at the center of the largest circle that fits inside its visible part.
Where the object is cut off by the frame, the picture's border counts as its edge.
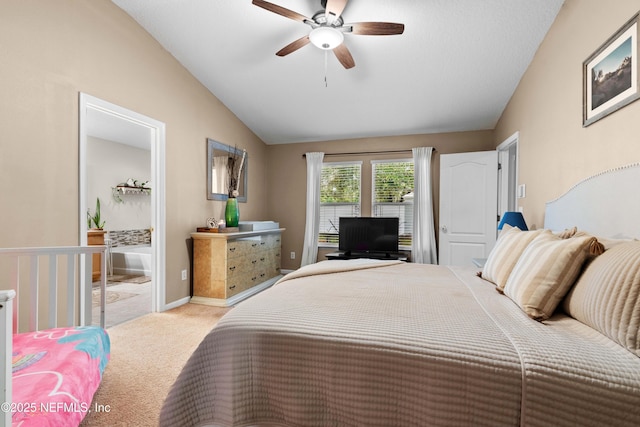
(6, 346)
(78, 262)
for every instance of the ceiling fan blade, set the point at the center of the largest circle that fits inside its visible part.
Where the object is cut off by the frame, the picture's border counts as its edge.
(335, 8)
(376, 28)
(344, 56)
(292, 47)
(280, 10)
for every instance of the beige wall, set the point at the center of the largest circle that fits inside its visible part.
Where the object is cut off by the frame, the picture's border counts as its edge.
(287, 174)
(555, 150)
(52, 50)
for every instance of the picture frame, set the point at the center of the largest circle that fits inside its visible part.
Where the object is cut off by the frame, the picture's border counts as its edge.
(610, 74)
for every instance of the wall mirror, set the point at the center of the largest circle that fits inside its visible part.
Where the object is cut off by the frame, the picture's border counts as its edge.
(218, 160)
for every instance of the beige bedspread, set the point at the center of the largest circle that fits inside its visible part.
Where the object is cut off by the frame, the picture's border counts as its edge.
(397, 344)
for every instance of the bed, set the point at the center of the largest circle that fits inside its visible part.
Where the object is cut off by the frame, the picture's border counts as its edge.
(382, 343)
(50, 374)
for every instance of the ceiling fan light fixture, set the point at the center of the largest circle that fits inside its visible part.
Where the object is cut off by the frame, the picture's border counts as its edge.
(326, 38)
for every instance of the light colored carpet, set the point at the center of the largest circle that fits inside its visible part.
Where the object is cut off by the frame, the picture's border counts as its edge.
(147, 355)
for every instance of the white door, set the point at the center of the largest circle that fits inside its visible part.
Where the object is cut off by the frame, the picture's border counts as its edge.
(468, 206)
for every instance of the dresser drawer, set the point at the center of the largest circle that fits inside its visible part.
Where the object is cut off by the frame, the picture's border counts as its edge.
(244, 280)
(236, 248)
(251, 245)
(272, 241)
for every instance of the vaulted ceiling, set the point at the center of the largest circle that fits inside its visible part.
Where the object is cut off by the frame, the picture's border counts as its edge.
(454, 68)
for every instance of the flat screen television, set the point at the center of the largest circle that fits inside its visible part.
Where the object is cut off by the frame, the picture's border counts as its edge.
(370, 235)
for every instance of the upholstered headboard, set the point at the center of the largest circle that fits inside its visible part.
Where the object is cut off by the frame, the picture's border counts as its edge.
(606, 205)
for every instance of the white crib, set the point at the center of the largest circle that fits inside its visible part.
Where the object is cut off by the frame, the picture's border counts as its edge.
(74, 263)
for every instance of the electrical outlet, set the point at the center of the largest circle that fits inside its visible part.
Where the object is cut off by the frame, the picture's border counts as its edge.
(184, 274)
(293, 255)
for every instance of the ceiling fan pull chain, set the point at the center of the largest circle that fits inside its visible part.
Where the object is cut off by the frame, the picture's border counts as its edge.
(325, 69)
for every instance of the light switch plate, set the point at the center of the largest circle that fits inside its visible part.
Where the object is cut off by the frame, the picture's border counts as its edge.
(522, 191)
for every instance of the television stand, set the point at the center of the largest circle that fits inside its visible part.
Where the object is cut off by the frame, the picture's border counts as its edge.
(355, 255)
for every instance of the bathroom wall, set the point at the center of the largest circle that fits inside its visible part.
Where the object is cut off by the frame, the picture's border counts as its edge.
(109, 164)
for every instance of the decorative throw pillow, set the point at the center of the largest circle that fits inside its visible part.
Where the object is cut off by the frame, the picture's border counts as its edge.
(607, 295)
(504, 255)
(545, 272)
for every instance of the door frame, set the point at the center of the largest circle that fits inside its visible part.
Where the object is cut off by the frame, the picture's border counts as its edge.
(158, 204)
(508, 174)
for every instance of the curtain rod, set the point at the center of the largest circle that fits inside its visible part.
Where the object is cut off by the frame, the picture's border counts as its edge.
(367, 152)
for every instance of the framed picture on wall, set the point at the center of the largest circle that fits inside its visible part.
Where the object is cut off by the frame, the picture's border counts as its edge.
(610, 74)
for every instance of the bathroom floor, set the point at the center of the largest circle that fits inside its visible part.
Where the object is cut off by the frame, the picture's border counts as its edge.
(127, 298)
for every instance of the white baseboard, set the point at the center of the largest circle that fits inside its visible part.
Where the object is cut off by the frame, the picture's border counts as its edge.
(175, 304)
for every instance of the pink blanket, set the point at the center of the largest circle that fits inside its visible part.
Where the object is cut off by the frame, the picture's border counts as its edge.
(55, 374)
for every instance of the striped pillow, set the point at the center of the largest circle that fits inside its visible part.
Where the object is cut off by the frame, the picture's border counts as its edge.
(607, 295)
(545, 272)
(504, 255)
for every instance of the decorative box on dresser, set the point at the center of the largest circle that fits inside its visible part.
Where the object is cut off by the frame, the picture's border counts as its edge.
(230, 267)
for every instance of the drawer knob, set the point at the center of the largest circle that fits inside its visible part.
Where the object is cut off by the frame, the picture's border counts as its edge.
(232, 268)
(232, 249)
(232, 287)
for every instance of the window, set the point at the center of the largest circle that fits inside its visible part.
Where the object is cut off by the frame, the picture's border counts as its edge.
(339, 196)
(393, 194)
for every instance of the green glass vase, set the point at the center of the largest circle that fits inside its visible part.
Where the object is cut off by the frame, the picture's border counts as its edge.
(232, 213)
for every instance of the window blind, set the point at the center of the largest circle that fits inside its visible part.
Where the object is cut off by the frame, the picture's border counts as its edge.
(340, 189)
(393, 194)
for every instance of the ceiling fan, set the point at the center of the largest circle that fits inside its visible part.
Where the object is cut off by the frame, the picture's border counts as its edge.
(328, 29)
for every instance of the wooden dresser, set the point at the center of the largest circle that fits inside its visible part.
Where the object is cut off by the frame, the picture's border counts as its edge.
(229, 267)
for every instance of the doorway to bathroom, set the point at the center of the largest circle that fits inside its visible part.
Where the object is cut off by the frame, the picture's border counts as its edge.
(122, 186)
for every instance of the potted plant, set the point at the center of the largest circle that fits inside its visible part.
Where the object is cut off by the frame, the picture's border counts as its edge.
(95, 218)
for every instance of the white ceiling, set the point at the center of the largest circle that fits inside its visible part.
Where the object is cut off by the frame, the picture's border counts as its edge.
(454, 68)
